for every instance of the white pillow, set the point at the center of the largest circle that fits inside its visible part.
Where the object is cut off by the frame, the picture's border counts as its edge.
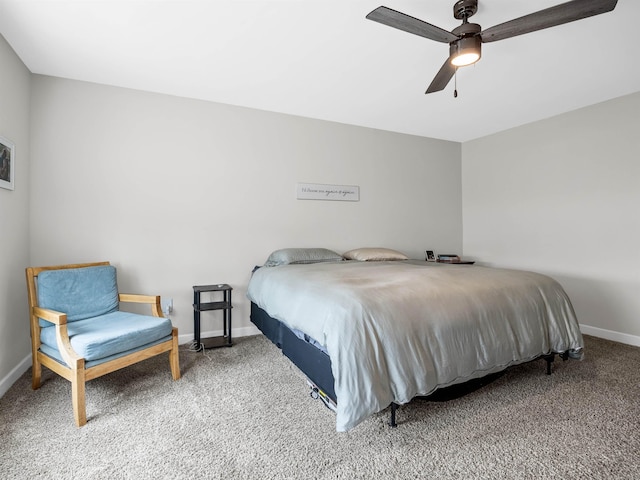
(374, 254)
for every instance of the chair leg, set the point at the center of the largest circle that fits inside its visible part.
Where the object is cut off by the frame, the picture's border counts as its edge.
(78, 396)
(174, 360)
(36, 373)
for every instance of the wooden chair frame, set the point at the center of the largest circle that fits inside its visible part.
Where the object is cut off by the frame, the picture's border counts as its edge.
(75, 370)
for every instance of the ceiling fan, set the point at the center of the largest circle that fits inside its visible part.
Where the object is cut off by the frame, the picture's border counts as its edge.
(465, 42)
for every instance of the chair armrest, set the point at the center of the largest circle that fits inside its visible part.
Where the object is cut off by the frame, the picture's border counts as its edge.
(59, 319)
(153, 300)
(135, 298)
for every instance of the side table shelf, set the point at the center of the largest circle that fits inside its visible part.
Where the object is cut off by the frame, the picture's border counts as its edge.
(199, 306)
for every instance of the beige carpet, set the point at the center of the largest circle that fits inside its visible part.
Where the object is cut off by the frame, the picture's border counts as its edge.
(244, 412)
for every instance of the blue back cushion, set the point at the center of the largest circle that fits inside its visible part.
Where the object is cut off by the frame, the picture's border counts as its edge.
(79, 292)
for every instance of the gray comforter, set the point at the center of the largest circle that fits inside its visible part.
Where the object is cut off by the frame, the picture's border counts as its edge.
(399, 329)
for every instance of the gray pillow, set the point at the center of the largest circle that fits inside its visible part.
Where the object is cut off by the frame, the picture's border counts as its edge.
(288, 256)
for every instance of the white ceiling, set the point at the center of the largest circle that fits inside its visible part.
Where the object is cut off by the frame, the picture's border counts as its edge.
(323, 59)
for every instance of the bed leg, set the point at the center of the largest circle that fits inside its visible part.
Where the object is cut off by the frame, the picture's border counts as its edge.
(549, 358)
(392, 420)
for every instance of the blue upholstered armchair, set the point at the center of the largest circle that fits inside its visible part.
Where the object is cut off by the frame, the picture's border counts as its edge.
(79, 331)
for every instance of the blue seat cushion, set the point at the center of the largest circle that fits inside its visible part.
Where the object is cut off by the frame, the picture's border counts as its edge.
(109, 334)
(79, 292)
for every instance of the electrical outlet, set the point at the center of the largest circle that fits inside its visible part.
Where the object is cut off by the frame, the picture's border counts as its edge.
(167, 305)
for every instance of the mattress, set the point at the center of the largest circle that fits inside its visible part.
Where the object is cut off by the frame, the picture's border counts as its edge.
(395, 330)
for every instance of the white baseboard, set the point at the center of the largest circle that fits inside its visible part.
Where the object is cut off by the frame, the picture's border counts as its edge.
(24, 365)
(586, 329)
(236, 332)
(15, 374)
(611, 335)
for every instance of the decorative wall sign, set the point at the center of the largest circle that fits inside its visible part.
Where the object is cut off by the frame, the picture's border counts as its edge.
(315, 191)
(7, 163)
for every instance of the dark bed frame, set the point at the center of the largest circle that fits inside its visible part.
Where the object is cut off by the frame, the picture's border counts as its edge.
(315, 363)
(312, 361)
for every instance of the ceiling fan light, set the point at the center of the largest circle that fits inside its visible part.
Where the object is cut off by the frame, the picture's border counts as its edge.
(465, 51)
(464, 59)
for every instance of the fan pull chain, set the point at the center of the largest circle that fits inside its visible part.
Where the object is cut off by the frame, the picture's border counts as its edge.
(455, 83)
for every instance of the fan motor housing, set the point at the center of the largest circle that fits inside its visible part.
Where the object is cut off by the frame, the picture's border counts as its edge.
(467, 30)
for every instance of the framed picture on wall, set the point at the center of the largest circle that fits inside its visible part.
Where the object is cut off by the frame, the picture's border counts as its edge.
(7, 163)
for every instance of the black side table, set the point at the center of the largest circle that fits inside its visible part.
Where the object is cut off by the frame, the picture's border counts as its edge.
(225, 305)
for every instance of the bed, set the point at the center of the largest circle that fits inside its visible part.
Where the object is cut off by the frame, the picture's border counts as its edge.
(375, 331)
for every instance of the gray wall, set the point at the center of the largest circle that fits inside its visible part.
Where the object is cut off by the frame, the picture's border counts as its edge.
(561, 196)
(179, 192)
(14, 219)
